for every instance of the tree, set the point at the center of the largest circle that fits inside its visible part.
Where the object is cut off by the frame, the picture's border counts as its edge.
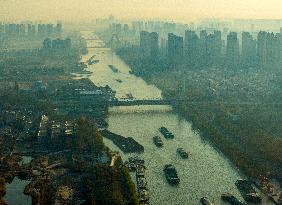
(88, 136)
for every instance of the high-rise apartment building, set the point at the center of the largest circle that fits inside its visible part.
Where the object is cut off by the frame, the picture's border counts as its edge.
(232, 50)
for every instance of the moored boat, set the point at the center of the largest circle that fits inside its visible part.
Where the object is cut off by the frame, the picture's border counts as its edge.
(141, 183)
(131, 166)
(140, 171)
(143, 196)
(248, 192)
(231, 199)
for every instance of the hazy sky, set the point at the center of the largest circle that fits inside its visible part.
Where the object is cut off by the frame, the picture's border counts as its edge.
(165, 9)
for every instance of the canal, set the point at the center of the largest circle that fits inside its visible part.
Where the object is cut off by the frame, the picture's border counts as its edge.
(206, 173)
(15, 190)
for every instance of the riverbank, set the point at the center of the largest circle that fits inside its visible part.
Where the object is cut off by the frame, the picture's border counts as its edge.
(248, 146)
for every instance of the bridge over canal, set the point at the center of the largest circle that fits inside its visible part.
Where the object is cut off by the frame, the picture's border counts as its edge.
(143, 102)
(136, 102)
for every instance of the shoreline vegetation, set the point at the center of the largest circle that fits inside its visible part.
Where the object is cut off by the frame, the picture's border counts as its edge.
(105, 184)
(248, 134)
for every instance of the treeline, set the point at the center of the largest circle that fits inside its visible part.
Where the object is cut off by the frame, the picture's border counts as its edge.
(89, 139)
(2, 191)
(109, 186)
(249, 147)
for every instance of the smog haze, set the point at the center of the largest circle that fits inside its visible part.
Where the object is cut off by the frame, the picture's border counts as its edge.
(76, 10)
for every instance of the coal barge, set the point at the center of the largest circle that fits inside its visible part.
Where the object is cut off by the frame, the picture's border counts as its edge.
(126, 144)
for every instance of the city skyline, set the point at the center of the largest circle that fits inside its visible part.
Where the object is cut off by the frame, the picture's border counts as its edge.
(130, 102)
(180, 10)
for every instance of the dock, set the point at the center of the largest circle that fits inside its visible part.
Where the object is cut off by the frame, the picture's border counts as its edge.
(270, 188)
(137, 165)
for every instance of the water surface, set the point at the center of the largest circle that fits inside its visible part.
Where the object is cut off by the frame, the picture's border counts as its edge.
(206, 173)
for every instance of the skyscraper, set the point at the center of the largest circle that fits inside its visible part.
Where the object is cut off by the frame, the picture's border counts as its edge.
(261, 49)
(2, 29)
(203, 48)
(175, 49)
(218, 45)
(41, 30)
(125, 29)
(58, 29)
(31, 32)
(149, 44)
(270, 49)
(118, 29)
(137, 26)
(47, 44)
(211, 45)
(21, 30)
(232, 50)
(145, 44)
(191, 46)
(154, 45)
(49, 30)
(6, 29)
(248, 55)
(277, 46)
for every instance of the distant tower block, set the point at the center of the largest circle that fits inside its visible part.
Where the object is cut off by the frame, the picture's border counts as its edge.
(114, 43)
